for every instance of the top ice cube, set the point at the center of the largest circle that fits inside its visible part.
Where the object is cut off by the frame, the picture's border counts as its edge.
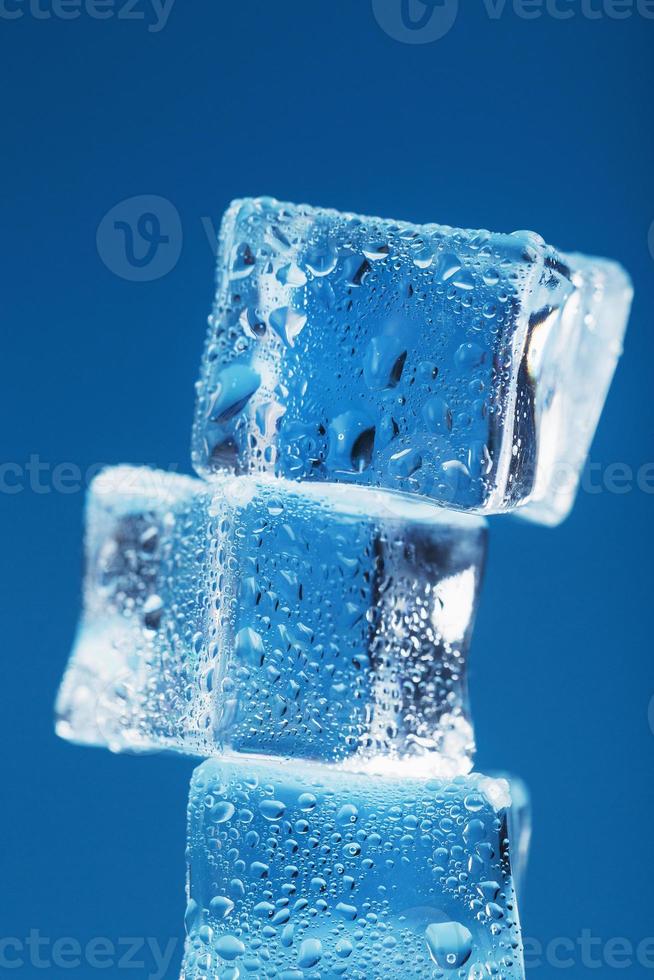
(464, 366)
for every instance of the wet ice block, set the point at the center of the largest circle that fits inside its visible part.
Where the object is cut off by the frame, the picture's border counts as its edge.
(465, 366)
(276, 618)
(308, 872)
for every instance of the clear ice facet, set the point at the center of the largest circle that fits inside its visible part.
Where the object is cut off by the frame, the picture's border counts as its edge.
(269, 617)
(464, 366)
(520, 823)
(315, 872)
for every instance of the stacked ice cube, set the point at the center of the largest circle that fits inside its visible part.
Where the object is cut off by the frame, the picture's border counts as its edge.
(301, 616)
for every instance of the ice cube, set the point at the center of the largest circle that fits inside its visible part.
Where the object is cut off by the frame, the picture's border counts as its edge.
(464, 366)
(272, 617)
(311, 869)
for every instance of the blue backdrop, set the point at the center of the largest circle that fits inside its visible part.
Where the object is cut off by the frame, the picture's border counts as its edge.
(514, 118)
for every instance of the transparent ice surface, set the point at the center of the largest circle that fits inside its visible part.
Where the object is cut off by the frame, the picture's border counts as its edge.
(520, 825)
(317, 621)
(308, 872)
(464, 366)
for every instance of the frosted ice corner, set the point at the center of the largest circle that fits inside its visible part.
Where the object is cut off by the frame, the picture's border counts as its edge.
(267, 617)
(465, 366)
(312, 869)
(122, 687)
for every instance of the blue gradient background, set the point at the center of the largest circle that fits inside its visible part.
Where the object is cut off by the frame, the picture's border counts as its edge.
(506, 123)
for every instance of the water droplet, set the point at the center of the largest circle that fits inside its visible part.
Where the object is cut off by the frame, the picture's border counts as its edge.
(344, 948)
(243, 261)
(221, 906)
(291, 275)
(307, 802)
(222, 811)
(448, 266)
(405, 463)
(287, 324)
(449, 944)
(152, 612)
(474, 832)
(469, 356)
(321, 260)
(229, 947)
(362, 450)
(351, 442)
(236, 385)
(457, 476)
(474, 802)
(383, 362)
(310, 953)
(355, 270)
(423, 258)
(377, 252)
(463, 280)
(436, 413)
(272, 809)
(259, 869)
(248, 647)
(252, 324)
(348, 814)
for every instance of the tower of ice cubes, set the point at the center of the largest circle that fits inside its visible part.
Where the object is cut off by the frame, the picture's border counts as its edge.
(302, 614)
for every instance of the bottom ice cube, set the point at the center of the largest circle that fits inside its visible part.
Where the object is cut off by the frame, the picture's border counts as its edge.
(314, 873)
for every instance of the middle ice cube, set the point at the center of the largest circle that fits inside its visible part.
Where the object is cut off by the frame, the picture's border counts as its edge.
(268, 617)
